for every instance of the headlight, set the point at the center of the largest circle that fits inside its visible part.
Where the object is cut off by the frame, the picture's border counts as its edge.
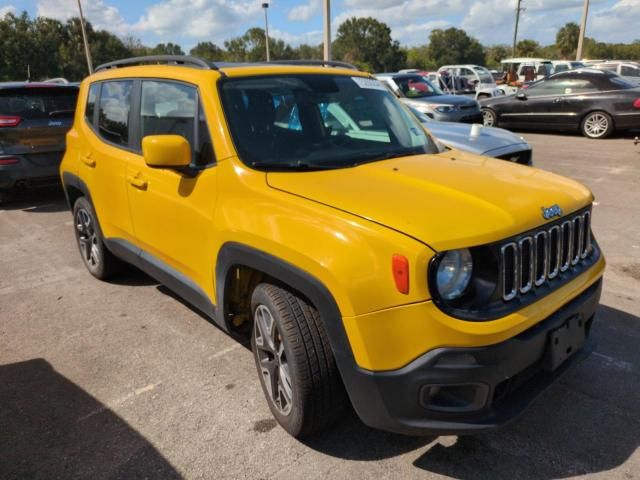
(444, 108)
(454, 273)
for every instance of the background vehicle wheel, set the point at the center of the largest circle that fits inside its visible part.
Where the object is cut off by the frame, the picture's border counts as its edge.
(295, 363)
(100, 262)
(597, 125)
(489, 118)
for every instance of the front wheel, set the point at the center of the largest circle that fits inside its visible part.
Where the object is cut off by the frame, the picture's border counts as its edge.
(295, 363)
(489, 118)
(597, 125)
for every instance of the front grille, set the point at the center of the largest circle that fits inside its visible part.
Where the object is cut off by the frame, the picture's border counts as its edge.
(539, 257)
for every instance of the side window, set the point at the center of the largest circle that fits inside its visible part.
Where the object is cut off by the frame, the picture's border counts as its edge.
(170, 108)
(547, 87)
(113, 116)
(627, 71)
(91, 102)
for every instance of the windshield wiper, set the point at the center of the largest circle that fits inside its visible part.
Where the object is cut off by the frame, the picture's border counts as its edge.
(297, 166)
(59, 113)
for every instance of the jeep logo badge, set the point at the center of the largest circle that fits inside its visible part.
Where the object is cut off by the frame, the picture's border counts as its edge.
(552, 211)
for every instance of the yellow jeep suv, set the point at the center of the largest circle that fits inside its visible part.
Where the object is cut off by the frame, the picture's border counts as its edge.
(303, 206)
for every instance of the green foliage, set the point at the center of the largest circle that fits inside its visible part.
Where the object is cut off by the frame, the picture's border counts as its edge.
(251, 47)
(454, 46)
(527, 48)
(166, 49)
(495, 54)
(208, 51)
(418, 57)
(567, 40)
(367, 43)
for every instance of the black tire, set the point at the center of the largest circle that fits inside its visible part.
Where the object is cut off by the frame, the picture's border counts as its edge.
(316, 391)
(489, 118)
(597, 125)
(100, 262)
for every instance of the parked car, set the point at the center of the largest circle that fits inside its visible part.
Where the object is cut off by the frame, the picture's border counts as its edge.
(426, 287)
(469, 79)
(487, 141)
(417, 92)
(627, 70)
(528, 69)
(595, 101)
(564, 65)
(34, 119)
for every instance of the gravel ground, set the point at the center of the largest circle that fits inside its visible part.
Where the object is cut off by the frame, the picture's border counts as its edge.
(123, 380)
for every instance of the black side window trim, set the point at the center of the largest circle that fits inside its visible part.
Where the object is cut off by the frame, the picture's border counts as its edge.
(96, 114)
(136, 134)
(96, 106)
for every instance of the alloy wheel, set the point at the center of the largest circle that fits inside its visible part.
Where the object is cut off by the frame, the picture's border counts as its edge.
(272, 359)
(87, 238)
(487, 118)
(596, 125)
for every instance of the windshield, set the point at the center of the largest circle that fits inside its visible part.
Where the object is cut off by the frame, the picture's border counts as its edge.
(416, 86)
(302, 122)
(38, 102)
(485, 75)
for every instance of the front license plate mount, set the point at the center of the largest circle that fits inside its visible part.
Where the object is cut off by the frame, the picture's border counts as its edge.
(564, 342)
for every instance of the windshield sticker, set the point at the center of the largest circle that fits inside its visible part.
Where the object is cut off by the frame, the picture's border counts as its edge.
(369, 83)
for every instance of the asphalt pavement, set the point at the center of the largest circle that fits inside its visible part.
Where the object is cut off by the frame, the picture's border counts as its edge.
(123, 380)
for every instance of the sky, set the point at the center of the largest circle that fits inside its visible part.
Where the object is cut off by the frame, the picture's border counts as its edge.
(187, 22)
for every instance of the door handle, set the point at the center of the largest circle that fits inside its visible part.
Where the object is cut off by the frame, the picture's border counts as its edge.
(558, 100)
(138, 182)
(87, 160)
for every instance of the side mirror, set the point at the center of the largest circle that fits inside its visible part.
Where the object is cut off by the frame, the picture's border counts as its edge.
(521, 96)
(166, 151)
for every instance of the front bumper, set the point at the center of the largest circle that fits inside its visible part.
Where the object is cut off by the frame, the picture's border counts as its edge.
(467, 390)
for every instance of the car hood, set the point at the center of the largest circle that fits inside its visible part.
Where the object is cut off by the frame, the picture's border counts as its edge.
(443, 100)
(449, 200)
(458, 135)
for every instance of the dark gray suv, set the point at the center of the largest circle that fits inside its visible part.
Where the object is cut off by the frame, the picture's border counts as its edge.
(34, 119)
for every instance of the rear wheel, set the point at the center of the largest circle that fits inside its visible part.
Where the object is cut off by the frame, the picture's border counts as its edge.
(295, 363)
(100, 262)
(489, 118)
(597, 125)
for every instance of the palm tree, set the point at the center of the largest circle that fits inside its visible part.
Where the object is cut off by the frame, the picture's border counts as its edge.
(567, 39)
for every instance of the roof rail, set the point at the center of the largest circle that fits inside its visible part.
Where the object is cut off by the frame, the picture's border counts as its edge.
(322, 63)
(185, 60)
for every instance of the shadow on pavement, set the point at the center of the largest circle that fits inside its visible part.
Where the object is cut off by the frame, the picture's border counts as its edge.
(36, 200)
(51, 428)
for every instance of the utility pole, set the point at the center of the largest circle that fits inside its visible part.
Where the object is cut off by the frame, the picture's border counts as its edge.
(87, 53)
(327, 30)
(515, 30)
(265, 6)
(583, 30)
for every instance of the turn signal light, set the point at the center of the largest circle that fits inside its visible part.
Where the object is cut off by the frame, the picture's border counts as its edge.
(9, 120)
(400, 269)
(636, 104)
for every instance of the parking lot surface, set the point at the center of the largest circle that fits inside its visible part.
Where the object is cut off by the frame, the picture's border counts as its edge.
(123, 380)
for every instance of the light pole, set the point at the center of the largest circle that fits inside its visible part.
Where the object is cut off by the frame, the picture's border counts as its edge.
(265, 6)
(84, 40)
(583, 30)
(327, 30)
(515, 30)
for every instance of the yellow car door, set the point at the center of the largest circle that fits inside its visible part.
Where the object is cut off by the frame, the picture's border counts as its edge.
(172, 208)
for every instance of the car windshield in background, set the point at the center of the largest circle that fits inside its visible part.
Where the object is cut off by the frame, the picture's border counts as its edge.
(308, 122)
(32, 103)
(416, 87)
(485, 75)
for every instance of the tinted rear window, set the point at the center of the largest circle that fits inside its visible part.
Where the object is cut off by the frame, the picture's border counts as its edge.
(38, 102)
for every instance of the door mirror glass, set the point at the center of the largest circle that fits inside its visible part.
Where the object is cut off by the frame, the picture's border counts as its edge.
(166, 151)
(521, 96)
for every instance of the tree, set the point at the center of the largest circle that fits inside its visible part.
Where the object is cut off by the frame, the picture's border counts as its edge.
(418, 57)
(528, 48)
(567, 40)
(495, 54)
(251, 47)
(309, 52)
(454, 46)
(208, 51)
(166, 49)
(367, 43)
